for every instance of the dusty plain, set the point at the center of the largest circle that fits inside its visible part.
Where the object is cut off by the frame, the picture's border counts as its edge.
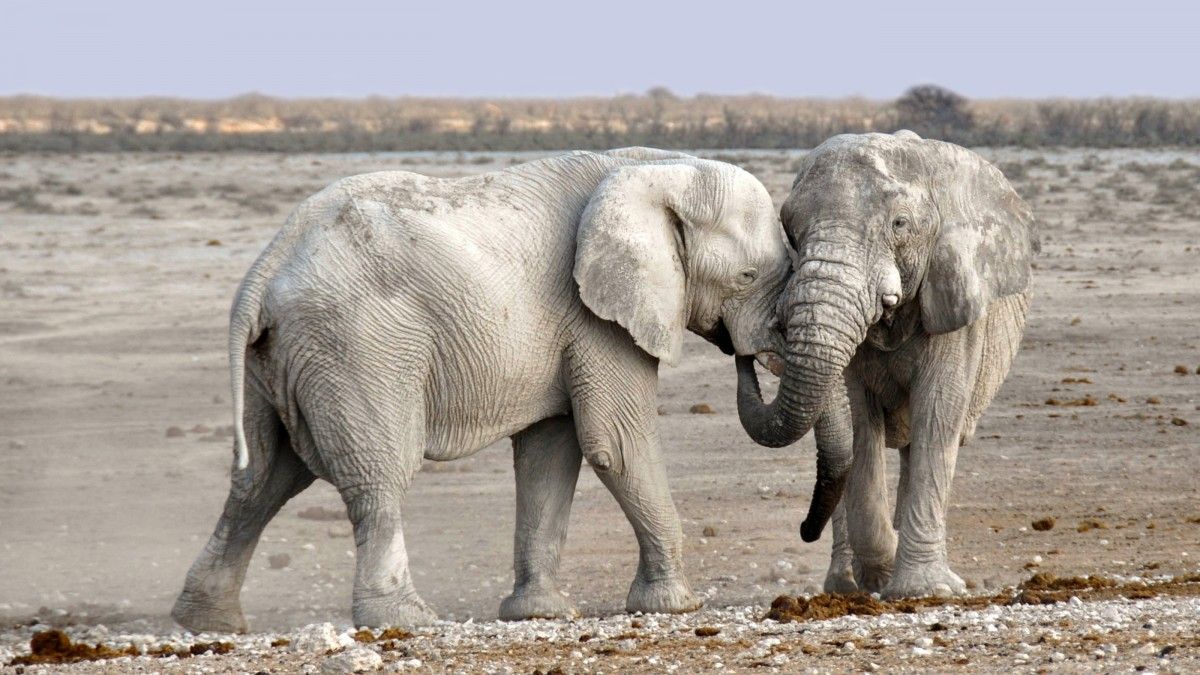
(116, 271)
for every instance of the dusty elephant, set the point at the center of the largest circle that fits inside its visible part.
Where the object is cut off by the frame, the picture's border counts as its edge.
(911, 289)
(398, 317)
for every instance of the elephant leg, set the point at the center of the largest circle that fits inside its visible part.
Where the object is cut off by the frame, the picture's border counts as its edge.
(372, 442)
(868, 521)
(938, 411)
(901, 487)
(840, 577)
(210, 597)
(640, 487)
(546, 458)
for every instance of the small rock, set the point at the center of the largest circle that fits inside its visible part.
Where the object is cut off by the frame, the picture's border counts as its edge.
(213, 242)
(702, 409)
(1043, 524)
(921, 651)
(707, 631)
(709, 531)
(1181, 370)
(279, 561)
(1179, 421)
(316, 638)
(18, 445)
(1154, 400)
(201, 429)
(353, 660)
(924, 642)
(174, 432)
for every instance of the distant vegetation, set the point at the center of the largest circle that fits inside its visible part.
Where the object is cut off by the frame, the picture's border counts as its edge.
(658, 118)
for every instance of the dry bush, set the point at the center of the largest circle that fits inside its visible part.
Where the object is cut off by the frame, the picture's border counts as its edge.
(660, 118)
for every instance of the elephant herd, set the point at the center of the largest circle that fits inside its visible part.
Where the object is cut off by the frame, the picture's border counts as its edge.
(397, 318)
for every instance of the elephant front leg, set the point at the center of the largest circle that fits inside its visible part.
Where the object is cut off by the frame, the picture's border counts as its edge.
(868, 521)
(546, 458)
(640, 487)
(922, 564)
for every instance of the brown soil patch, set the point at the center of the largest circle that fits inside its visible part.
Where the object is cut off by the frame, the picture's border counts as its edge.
(786, 608)
(55, 646)
(1040, 589)
(1043, 524)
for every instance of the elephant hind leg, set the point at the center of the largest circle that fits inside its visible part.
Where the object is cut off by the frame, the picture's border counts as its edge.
(210, 597)
(371, 441)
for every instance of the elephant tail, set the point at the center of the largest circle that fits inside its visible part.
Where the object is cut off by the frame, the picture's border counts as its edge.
(246, 324)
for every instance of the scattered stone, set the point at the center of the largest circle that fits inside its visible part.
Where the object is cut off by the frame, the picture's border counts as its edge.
(279, 561)
(702, 409)
(707, 631)
(1181, 370)
(201, 429)
(1153, 400)
(709, 531)
(353, 660)
(316, 638)
(175, 432)
(213, 242)
(1179, 421)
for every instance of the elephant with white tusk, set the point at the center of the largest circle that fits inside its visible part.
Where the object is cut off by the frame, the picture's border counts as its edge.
(904, 314)
(398, 317)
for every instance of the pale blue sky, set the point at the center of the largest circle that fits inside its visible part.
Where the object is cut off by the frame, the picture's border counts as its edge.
(515, 48)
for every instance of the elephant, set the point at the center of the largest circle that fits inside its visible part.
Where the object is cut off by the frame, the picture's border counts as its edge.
(906, 307)
(398, 317)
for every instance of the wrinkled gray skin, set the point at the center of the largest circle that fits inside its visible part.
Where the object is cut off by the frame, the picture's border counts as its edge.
(909, 301)
(398, 317)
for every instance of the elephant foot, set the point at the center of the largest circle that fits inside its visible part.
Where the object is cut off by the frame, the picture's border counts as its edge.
(672, 595)
(538, 602)
(397, 611)
(920, 580)
(840, 578)
(872, 577)
(204, 615)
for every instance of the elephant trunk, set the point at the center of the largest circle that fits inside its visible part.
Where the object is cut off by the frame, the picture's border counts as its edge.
(830, 311)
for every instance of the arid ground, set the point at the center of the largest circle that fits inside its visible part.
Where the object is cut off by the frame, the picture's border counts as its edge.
(116, 272)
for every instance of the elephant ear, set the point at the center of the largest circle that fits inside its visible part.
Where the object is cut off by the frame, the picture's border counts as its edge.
(629, 254)
(985, 244)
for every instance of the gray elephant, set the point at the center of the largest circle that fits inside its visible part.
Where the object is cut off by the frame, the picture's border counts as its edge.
(398, 317)
(911, 288)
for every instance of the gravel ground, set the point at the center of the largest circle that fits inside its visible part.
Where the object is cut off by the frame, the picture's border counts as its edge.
(1152, 634)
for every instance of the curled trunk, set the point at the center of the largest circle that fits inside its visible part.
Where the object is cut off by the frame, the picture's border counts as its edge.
(825, 326)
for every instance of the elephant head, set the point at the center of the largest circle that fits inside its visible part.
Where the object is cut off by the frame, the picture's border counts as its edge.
(878, 222)
(683, 243)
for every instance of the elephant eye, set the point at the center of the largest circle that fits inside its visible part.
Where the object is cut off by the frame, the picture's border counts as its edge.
(748, 276)
(900, 222)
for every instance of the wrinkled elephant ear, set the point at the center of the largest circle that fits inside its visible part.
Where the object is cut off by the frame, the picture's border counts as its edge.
(630, 250)
(986, 241)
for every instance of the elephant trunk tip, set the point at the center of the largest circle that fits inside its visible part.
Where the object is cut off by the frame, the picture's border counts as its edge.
(811, 530)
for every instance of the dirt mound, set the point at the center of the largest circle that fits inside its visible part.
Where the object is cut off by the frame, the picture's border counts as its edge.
(1040, 589)
(787, 608)
(55, 646)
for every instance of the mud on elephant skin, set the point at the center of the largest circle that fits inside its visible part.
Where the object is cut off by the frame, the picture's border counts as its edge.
(398, 317)
(907, 308)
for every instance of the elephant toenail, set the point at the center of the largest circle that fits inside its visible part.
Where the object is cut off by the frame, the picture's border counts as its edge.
(601, 460)
(890, 300)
